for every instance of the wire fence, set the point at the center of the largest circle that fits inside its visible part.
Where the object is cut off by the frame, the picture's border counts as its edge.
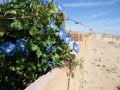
(84, 25)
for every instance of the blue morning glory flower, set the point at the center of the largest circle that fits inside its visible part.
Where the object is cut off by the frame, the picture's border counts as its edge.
(49, 49)
(76, 48)
(50, 63)
(67, 38)
(21, 44)
(52, 24)
(46, 30)
(44, 2)
(62, 33)
(61, 8)
(8, 48)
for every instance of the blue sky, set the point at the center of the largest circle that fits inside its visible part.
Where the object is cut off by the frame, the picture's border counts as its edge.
(103, 16)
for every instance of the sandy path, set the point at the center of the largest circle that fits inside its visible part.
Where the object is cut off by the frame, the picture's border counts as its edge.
(101, 64)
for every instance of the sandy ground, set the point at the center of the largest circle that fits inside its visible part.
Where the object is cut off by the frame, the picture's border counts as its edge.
(101, 63)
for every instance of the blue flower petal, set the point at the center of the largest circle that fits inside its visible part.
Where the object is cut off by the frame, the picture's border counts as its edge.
(62, 33)
(49, 49)
(8, 48)
(74, 41)
(21, 44)
(76, 48)
(25, 52)
(50, 63)
(67, 38)
(52, 24)
(61, 8)
(46, 30)
(44, 2)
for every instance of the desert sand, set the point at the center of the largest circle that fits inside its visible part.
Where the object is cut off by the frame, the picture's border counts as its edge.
(101, 67)
(102, 63)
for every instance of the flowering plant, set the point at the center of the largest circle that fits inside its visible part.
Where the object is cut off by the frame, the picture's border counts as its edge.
(32, 41)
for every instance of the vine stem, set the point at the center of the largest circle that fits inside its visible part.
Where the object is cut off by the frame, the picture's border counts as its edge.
(69, 74)
(68, 87)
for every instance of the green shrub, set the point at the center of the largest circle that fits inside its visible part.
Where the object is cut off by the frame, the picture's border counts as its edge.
(32, 41)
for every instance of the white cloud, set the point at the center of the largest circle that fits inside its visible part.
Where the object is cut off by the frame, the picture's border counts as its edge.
(105, 22)
(98, 14)
(90, 3)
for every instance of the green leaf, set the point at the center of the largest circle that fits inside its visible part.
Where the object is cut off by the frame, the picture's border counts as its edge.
(33, 31)
(59, 63)
(56, 34)
(59, 48)
(29, 68)
(12, 68)
(2, 28)
(1, 16)
(38, 53)
(45, 68)
(55, 57)
(44, 61)
(48, 42)
(75, 62)
(20, 73)
(16, 6)
(10, 12)
(18, 68)
(33, 66)
(72, 67)
(34, 47)
(44, 55)
(2, 31)
(39, 67)
(44, 43)
(81, 65)
(16, 25)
